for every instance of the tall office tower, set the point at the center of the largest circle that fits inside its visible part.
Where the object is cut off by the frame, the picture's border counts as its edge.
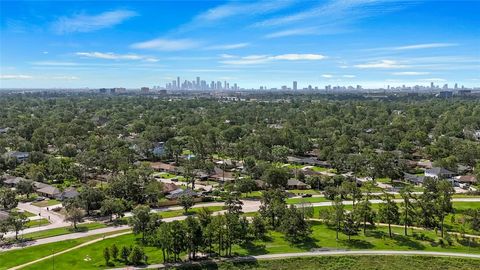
(178, 82)
(235, 86)
(227, 85)
(212, 85)
(456, 85)
(431, 85)
(198, 82)
(174, 83)
(219, 85)
(294, 85)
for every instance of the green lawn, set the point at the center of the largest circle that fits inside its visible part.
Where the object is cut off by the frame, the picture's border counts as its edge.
(13, 258)
(350, 263)
(306, 191)
(46, 203)
(64, 230)
(191, 211)
(37, 223)
(26, 213)
(91, 257)
(253, 195)
(310, 200)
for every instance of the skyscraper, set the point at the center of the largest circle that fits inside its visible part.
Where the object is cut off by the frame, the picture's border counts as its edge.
(294, 85)
(198, 82)
(178, 82)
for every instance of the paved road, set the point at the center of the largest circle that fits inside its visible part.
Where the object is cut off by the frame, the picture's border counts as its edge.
(328, 253)
(248, 206)
(67, 250)
(56, 219)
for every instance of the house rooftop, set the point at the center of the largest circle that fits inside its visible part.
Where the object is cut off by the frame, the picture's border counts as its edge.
(295, 182)
(50, 190)
(439, 171)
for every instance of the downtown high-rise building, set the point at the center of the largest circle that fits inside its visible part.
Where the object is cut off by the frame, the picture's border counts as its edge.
(294, 85)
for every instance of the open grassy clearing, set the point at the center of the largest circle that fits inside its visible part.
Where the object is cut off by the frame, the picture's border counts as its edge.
(37, 223)
(20, 256)
(308, 200)
(350, 263)
(64, 230)
(191, 211)
(91, 257)
(46, 203)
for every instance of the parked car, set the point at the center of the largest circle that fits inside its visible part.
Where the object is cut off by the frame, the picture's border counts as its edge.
(39, 199)
(306, 195)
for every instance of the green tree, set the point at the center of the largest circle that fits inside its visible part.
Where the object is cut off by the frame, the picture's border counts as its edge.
(25, 187)
(136, 255)
(140, 220)
(276, 177)
(294, 226)
(125, 253)
(273, 206)
(258, 228)
(8, 198)
(389, 211)
(91, 198)
(186, 201)
(408, 208)
(106, 255)
(74, 215)
(112, 206)
(17, 222)
(114, 251)
(194, 237)
(350, 226)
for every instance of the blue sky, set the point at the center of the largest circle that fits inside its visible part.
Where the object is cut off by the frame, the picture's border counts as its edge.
(374, 43)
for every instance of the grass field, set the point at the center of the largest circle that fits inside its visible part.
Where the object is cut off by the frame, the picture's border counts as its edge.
(306, 191)
(91, 257)
(64, 230)
(20, 256)
(191, 211)
(46, 203)
(310, 200)
(26, 213)
(350, 263)
(37, 223)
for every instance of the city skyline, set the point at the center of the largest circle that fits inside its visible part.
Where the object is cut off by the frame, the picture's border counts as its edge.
(373, 43)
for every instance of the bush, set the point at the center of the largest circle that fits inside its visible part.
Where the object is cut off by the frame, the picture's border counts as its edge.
(136, 255)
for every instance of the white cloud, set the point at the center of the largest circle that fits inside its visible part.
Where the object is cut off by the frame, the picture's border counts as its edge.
(90, 23)
(227, 56)
(113, 56)
(410, 73)
(425, 46)
(328, 76)
(292, 32)
(293, 57)
(259, 59)
(15, 77)
(349, 76)
(386, 64)
(228, 46)
(238, 8)
(54, 63)
(162, 44)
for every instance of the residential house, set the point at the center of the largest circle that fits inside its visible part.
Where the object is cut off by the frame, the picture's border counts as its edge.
(296, 184)
(69, 193)
(414, 179)
(11, 181)
(312, 161)
(4, 130)
(18, 156)
(221, 175)
(465, 179)
(169, 187)
(163, 167)
(49, 192)
(176, 194)
(438, 172)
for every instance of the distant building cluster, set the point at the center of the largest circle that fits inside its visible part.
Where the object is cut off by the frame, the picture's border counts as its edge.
(199, 84)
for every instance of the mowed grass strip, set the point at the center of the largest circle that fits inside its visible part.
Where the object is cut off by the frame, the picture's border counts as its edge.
(64, 230)
(17, 257)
